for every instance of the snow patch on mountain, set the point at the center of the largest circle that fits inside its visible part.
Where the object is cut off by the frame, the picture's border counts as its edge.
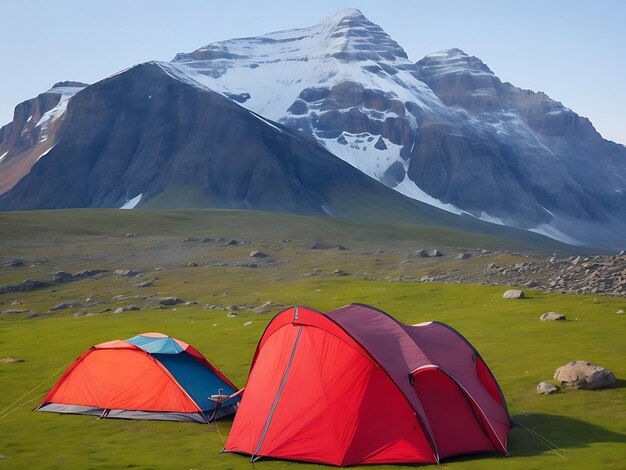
(55, 113)
(44, 154)
(131, 203)
(551, 232)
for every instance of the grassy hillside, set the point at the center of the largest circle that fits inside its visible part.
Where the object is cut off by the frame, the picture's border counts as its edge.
(589, 427)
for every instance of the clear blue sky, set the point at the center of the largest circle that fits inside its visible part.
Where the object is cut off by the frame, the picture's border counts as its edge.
(573, 50)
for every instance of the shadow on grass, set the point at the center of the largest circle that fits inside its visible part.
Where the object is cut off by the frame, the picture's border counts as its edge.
(562, 431)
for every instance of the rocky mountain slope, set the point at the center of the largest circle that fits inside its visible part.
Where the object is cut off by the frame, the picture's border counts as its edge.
(444, 130)
(32, 132)
(151, 138)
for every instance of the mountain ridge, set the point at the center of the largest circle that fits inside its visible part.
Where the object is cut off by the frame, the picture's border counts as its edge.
(444, 130)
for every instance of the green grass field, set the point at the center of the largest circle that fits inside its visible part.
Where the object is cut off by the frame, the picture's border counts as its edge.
(588, 427)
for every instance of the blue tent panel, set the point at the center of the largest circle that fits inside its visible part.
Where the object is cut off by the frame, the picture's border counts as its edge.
(198, 381)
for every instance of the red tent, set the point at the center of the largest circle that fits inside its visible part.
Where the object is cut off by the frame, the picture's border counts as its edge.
(355, 386)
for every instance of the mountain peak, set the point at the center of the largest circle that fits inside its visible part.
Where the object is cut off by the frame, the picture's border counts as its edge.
(453, 61)
(347, 13)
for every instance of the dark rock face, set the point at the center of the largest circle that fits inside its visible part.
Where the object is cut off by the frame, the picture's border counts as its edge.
(145, 132)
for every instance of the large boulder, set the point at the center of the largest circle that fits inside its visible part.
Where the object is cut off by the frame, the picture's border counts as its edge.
(585, 375)
(513, 294)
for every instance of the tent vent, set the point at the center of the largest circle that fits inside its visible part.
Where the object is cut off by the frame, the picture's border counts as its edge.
(295, 313)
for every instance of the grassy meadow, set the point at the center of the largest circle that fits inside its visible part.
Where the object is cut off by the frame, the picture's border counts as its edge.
(588, 427)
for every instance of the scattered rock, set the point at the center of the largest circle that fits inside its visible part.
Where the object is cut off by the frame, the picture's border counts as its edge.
(10, 360)
(4, 457)
(125, 273)
(13, 311)
(530, 284)
(464, 256)
(235, 242)
(85, 314)
(189, 303)
(585, 375)
(339, 272)
(65, 305)
(62, 276)
(620, 312)
(423, 253)
(192, 264)
(513, 294)
(264, 308)
(131, 235)
(18, 302)
(434, 253)
(547, 388)
(190, 239)
(258, 254)
(127, 308)
(159, 268)
(326, 246)
(168, 301)
(118, 298)
(14, 263)
(144, 284)
(552, 316)
(206, 240)
(248, 323)
(231, 315)
(26, 286)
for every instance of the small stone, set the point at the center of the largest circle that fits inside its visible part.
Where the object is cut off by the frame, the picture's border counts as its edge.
(189, 303)
(547, 388)
(513, 294)
(10, 360)
(422, 253)
(125, 273)
(231, 315)
(168, 301)
(552, 316)
(265, 308)
(65, 305)
(463, 256)
(258, 254)
(326, 246)
(85, 314)
(190, 239)
(118, 298)
(131, 235)
(127, 308)
(15, 302)
(434, 253)
(13, 311)
(530, 284)
(191, 264)
(145, 284)
(248, 323)
(339, 272)
(620, 312)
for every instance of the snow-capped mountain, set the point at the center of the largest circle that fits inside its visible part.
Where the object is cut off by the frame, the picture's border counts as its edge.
(444, 130)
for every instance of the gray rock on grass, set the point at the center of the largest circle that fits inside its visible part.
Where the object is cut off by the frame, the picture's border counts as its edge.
(585, 375)
(128, 308)
(547, 388)
(513, 294)
(169, 301)
(552, 316)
